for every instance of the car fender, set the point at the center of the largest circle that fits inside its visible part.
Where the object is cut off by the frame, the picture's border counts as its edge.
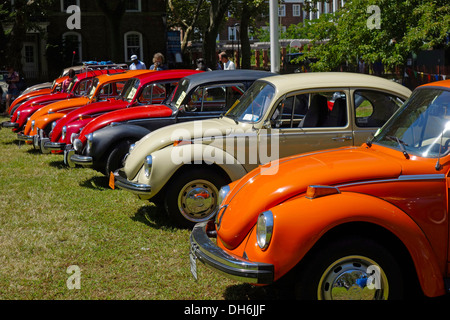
(300, 229)
(104, 138)
(167, 161)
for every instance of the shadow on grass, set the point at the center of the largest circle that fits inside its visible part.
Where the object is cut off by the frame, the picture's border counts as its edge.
(58, 164)
(154, 217)
(96, 183)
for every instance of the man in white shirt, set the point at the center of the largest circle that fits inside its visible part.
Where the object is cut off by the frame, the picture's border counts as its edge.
(227, 64)
(136, 64)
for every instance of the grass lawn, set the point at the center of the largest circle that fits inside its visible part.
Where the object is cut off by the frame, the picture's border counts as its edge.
(53, 217)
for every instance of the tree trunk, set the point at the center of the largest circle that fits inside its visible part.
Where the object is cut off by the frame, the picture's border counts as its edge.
(216, 14)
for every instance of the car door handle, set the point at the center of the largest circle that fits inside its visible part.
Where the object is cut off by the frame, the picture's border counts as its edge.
(343, 138)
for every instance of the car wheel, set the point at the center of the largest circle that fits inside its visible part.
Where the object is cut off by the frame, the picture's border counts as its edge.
(115, 157)
(352, 269)
(192, 197)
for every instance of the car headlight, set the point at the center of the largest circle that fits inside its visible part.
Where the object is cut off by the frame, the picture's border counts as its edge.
(89, 139)
(148, 165)
(18, 115)
(222, 194)
(33, 123)
(264, 229)
(131, 147)
(77, 145)
(63, 133)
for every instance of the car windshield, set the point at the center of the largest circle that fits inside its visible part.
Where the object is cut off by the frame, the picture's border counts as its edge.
(421, 127)
(129, 90)
(93, 88)
(177, 96)
(253, 104)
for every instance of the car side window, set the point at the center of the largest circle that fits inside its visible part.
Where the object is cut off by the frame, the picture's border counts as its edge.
(214, 98)
(374, 108)
(155, 93)
(310, 110)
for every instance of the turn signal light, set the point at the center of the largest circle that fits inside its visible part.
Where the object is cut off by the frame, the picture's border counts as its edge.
(313, 192)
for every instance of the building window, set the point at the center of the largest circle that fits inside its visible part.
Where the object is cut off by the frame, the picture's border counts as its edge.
(72, 46)
(232, 33)
(133, 6)
(133, 45)
(282, 10)
(67, 3)
(296, 10)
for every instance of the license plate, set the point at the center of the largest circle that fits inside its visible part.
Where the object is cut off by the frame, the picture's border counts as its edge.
(193, 260)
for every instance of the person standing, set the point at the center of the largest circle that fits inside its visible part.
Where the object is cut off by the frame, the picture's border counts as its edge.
(158, 62)
(136, 64)
(66, 83)
(227, 63)
(13, 90)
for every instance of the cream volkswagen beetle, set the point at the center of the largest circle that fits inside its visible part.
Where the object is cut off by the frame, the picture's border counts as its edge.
(183, 166)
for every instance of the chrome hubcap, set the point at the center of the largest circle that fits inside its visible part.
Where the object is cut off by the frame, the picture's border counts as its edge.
(353, 278)
(197, 200)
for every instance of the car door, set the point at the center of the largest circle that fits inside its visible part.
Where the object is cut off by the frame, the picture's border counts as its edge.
(307, 121)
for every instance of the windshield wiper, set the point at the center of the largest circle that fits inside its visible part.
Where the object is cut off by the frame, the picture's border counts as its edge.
(232, 117)
(401, 145)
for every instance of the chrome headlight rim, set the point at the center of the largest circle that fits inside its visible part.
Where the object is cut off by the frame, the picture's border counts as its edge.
(264, 229)
(148, 162)
(63, 133)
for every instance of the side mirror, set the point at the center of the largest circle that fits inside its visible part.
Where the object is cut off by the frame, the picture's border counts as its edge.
(267, 124)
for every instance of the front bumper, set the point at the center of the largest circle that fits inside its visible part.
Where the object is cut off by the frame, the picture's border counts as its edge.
(121, 181)
(207, 252)
(9, 124)
(24, 137)
(51, 145)
(74, 159)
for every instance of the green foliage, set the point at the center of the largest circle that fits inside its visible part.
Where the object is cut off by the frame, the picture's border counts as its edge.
(347, 35)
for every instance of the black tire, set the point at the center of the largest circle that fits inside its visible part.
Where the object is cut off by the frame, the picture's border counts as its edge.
(115, 156)
(185, 211)
(331, 272)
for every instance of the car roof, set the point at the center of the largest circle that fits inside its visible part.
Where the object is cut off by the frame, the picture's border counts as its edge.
(166, 74)
(121, 75)
(227, 75)
(441, 83)
(312, 80)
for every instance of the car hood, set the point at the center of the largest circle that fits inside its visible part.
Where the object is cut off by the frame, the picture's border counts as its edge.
(291, 178)
(122, 115)
(87, 110)
(168, 135)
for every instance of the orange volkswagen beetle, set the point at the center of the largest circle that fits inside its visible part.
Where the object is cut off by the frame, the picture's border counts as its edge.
(367, 222)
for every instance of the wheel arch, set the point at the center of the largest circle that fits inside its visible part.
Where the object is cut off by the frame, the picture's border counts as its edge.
(368, 217)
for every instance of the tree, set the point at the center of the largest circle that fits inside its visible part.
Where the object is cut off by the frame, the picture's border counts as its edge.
(16, 20)
(187, 16)
(217, 11)
(247, 12)
(356, 32)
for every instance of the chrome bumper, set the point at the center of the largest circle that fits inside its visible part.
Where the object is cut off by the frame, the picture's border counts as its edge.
(85, 161)
(9, 124)
(207, 252)
(50, 145)
(24, 137)
(121, 181)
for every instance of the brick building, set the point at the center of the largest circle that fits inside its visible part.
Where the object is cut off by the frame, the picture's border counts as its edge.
(140, 30)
